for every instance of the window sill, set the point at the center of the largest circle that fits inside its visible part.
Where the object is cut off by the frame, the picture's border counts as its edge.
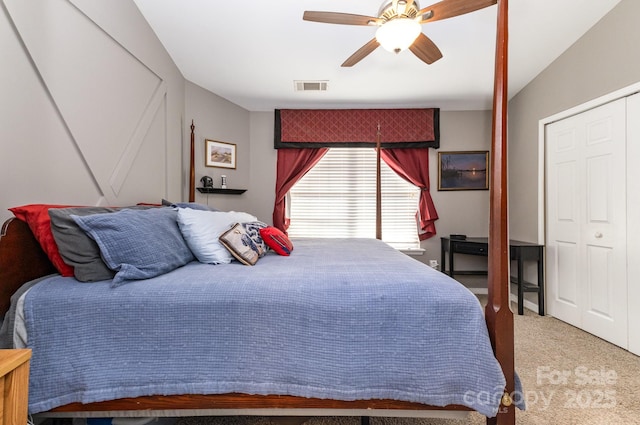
(412, 251)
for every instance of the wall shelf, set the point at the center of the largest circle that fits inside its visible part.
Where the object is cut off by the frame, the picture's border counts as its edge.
(208, 190)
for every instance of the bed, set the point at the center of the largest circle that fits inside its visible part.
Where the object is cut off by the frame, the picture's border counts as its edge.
(348, 322)
(343, 319)
(342, 378)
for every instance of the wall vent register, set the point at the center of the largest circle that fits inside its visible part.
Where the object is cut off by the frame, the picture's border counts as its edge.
(320, 85)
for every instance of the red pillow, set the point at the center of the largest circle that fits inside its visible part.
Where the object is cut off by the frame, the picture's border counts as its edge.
(276, 240)
(37, 217)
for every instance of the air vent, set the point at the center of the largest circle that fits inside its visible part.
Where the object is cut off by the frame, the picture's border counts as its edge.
(320, 85)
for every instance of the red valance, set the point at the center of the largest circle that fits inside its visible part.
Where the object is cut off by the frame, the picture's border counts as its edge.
(315, 128)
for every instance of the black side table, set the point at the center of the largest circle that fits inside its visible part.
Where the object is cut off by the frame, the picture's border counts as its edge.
(519, 252)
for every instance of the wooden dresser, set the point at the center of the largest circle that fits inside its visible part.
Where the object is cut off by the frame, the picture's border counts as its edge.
(14, 381)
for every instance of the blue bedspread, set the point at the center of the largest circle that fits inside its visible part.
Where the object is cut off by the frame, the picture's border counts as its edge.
(340, 318)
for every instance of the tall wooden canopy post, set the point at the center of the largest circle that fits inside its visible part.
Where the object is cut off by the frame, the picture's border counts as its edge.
(378, 188)
(498, 311)
(192, 168)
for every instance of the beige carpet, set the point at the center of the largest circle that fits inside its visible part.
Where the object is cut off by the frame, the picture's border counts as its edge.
(569, 377)
(572, 377)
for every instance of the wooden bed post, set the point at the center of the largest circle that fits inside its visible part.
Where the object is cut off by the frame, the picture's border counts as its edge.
(378, 188)
(192, 167)
(498, 311)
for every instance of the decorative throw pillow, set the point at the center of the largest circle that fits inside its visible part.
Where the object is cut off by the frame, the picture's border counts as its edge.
(76, 247)
(37, 217)
(276, 240)
(253, 231)
(138, 244)
(240, 245)
(202, 229)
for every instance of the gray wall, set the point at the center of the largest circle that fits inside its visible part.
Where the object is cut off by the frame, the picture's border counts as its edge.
(461, 212)
(91, 109)
(218, 119)
(263, 166)
(605, 59)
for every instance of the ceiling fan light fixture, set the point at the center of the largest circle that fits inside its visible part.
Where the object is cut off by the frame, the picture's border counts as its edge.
(398, 34)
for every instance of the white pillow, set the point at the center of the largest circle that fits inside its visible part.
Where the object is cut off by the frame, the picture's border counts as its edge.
(201, 230)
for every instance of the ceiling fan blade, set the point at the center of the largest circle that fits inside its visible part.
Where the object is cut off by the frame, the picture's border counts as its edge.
(361, 53)
(425, 49)
(450, 8)
(340, 18)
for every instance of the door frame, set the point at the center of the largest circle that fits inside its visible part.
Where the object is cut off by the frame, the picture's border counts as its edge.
(633, 207)
(542, 201)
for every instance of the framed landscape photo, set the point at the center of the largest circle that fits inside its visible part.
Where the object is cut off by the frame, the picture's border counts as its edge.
(219, 154)
(463, 170)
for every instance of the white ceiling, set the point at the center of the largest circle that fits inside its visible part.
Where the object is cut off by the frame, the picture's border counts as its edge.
(250, 52)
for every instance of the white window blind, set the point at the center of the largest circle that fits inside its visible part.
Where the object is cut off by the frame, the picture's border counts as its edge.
(337, 198)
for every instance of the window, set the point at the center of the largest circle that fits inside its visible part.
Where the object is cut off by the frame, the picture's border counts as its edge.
(337, 198)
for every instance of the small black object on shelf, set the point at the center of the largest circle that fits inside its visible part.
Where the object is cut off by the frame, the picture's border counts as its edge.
(207, 182)
(458, 237)
(220, 190)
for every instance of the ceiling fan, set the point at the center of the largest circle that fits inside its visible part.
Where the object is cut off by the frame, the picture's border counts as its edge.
(399, 27)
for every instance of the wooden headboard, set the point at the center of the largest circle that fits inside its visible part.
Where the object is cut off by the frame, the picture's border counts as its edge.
(21, 260)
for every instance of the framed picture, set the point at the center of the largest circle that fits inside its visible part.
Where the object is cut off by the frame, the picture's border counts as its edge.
(463, 170)
(219, 154)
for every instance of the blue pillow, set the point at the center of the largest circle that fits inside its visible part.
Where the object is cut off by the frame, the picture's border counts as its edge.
(138, 244)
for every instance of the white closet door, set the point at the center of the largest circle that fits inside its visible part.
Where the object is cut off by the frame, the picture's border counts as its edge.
(633, 220)
(586, 221)
(563, 219)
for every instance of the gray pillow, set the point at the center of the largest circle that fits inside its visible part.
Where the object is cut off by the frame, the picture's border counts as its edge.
(192, 205)
(76, 248)
(138, 244)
